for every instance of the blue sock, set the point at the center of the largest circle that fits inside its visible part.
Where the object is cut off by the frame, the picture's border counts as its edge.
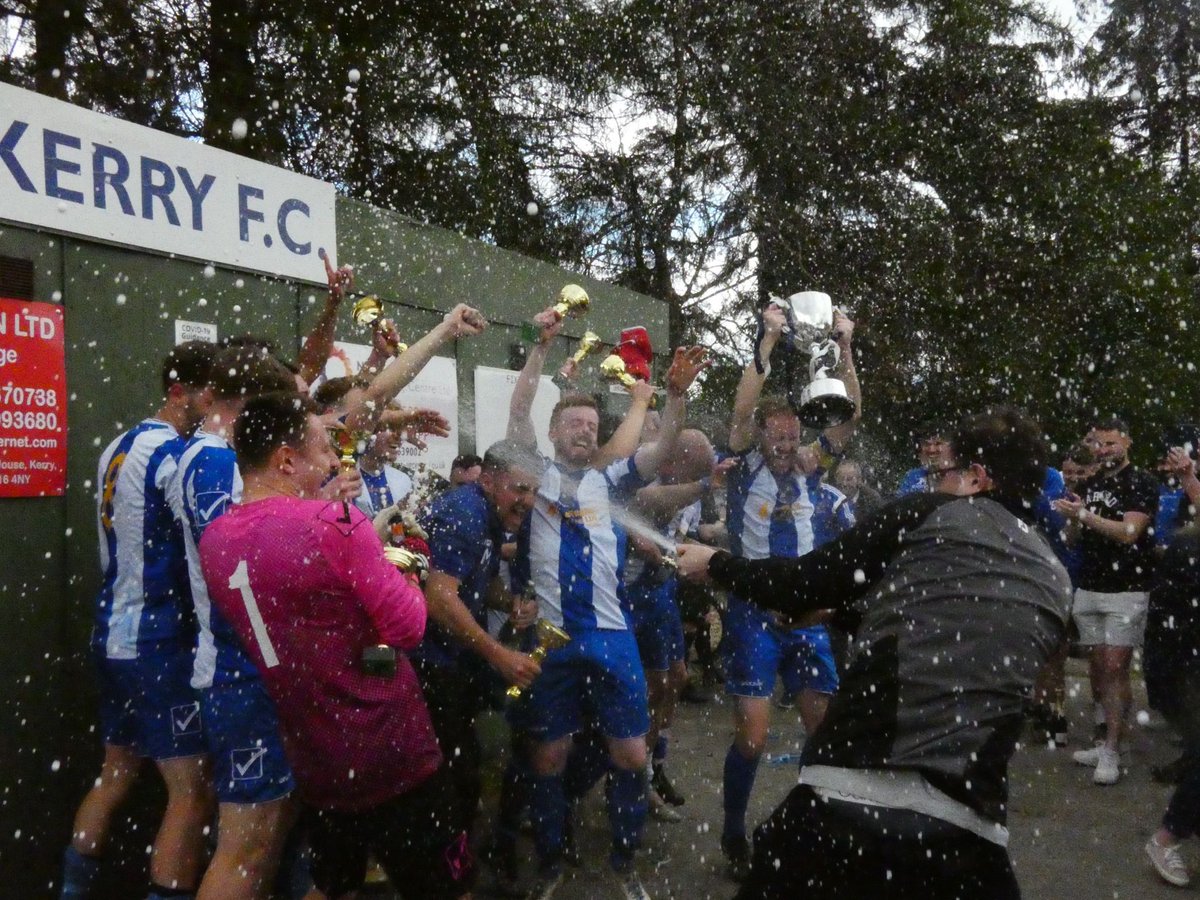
(79, 874)
(548, 810)
(626, 792)
(585, 766)
(739, 781)
(660, 749)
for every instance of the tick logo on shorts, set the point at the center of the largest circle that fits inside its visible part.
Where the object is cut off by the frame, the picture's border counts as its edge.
(247, 764)
(185, 719)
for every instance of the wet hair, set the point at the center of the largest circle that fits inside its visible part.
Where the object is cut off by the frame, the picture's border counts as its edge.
(188, 364)
(1111, 423)
(466, 461)
(268, 422)
(246, 371)
(568, 402)
(1081, 454)
(931, 428)
(332, 392)
(1010, 446)
(771, 406)
(506, 455)
(254, 341)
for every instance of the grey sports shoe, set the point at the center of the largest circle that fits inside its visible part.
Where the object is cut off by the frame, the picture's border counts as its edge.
(1168, 862)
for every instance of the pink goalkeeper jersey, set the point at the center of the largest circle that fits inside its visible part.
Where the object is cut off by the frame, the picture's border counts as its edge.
(306, 591)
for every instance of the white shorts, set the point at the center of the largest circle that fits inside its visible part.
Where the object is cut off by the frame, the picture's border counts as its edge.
(1115, 620)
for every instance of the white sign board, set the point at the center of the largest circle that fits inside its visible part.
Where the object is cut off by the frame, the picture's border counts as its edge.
(435, 387)
(493, 391)
(76, 171)
(195, 331)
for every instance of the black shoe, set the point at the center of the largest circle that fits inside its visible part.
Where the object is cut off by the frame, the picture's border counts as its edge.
(1171, 773)
(1056, 728)
(694, 693)
(737, 857)
(663, 787)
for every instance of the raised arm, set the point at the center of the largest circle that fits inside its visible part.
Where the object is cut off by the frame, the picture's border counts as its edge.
(837, 436)
(462, 321)
(624, 441)
(743, 433)
(687, 364)
(520, 406)
(319, 345)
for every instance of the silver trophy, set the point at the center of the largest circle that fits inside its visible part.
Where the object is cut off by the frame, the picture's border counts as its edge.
(823, 402)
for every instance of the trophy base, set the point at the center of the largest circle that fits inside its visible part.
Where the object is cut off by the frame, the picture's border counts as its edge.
(823, 404)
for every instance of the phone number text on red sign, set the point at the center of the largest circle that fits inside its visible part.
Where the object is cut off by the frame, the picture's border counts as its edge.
(33, 408)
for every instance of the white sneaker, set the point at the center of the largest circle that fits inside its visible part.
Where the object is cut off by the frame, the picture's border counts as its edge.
(1089, 757)
(1168, 862)
(1108, 767)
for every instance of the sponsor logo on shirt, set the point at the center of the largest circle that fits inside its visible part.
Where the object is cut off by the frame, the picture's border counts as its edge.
(185, 719)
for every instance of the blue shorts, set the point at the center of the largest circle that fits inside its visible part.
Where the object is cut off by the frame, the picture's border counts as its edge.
(657, 624)
(242, 730)
(756, 650)
(148, 705)
(598, 675)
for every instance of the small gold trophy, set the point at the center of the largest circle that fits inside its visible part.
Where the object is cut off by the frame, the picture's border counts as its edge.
(368, 313)
(588, 344)
(402, 558)
(613, 369)
(573, 301)
(549, 637)
(350, 445)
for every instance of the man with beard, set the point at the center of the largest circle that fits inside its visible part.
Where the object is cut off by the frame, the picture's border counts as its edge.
(466, 528)
(1110, 524)
(573, 551)
(770, 515)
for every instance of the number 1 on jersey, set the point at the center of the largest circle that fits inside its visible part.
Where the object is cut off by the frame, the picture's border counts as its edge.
(240, 582)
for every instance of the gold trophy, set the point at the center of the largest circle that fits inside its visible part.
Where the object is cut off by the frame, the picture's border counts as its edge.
(350, 445)
(549, 637)
(402, 558)
(588, 344)
(368, 313)
(613, 369)
(573, 302)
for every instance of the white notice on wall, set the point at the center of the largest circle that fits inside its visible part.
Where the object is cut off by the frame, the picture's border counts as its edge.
(435, 387)
(195, 331)
(493, 391)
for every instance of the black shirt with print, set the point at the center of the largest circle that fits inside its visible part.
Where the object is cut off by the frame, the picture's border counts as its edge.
(1106, 565)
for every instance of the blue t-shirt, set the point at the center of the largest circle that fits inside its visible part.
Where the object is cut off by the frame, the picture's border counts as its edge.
(465, 536)
(913, 482)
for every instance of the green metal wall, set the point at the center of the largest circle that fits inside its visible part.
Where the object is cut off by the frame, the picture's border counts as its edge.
(121, 306)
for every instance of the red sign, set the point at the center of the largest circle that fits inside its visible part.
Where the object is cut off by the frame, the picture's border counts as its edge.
(33, 400)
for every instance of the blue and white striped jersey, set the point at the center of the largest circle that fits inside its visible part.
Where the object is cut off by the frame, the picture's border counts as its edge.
(574, 548)
(143, 603)
(767, 515)
(206, 483)
(833, 512)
